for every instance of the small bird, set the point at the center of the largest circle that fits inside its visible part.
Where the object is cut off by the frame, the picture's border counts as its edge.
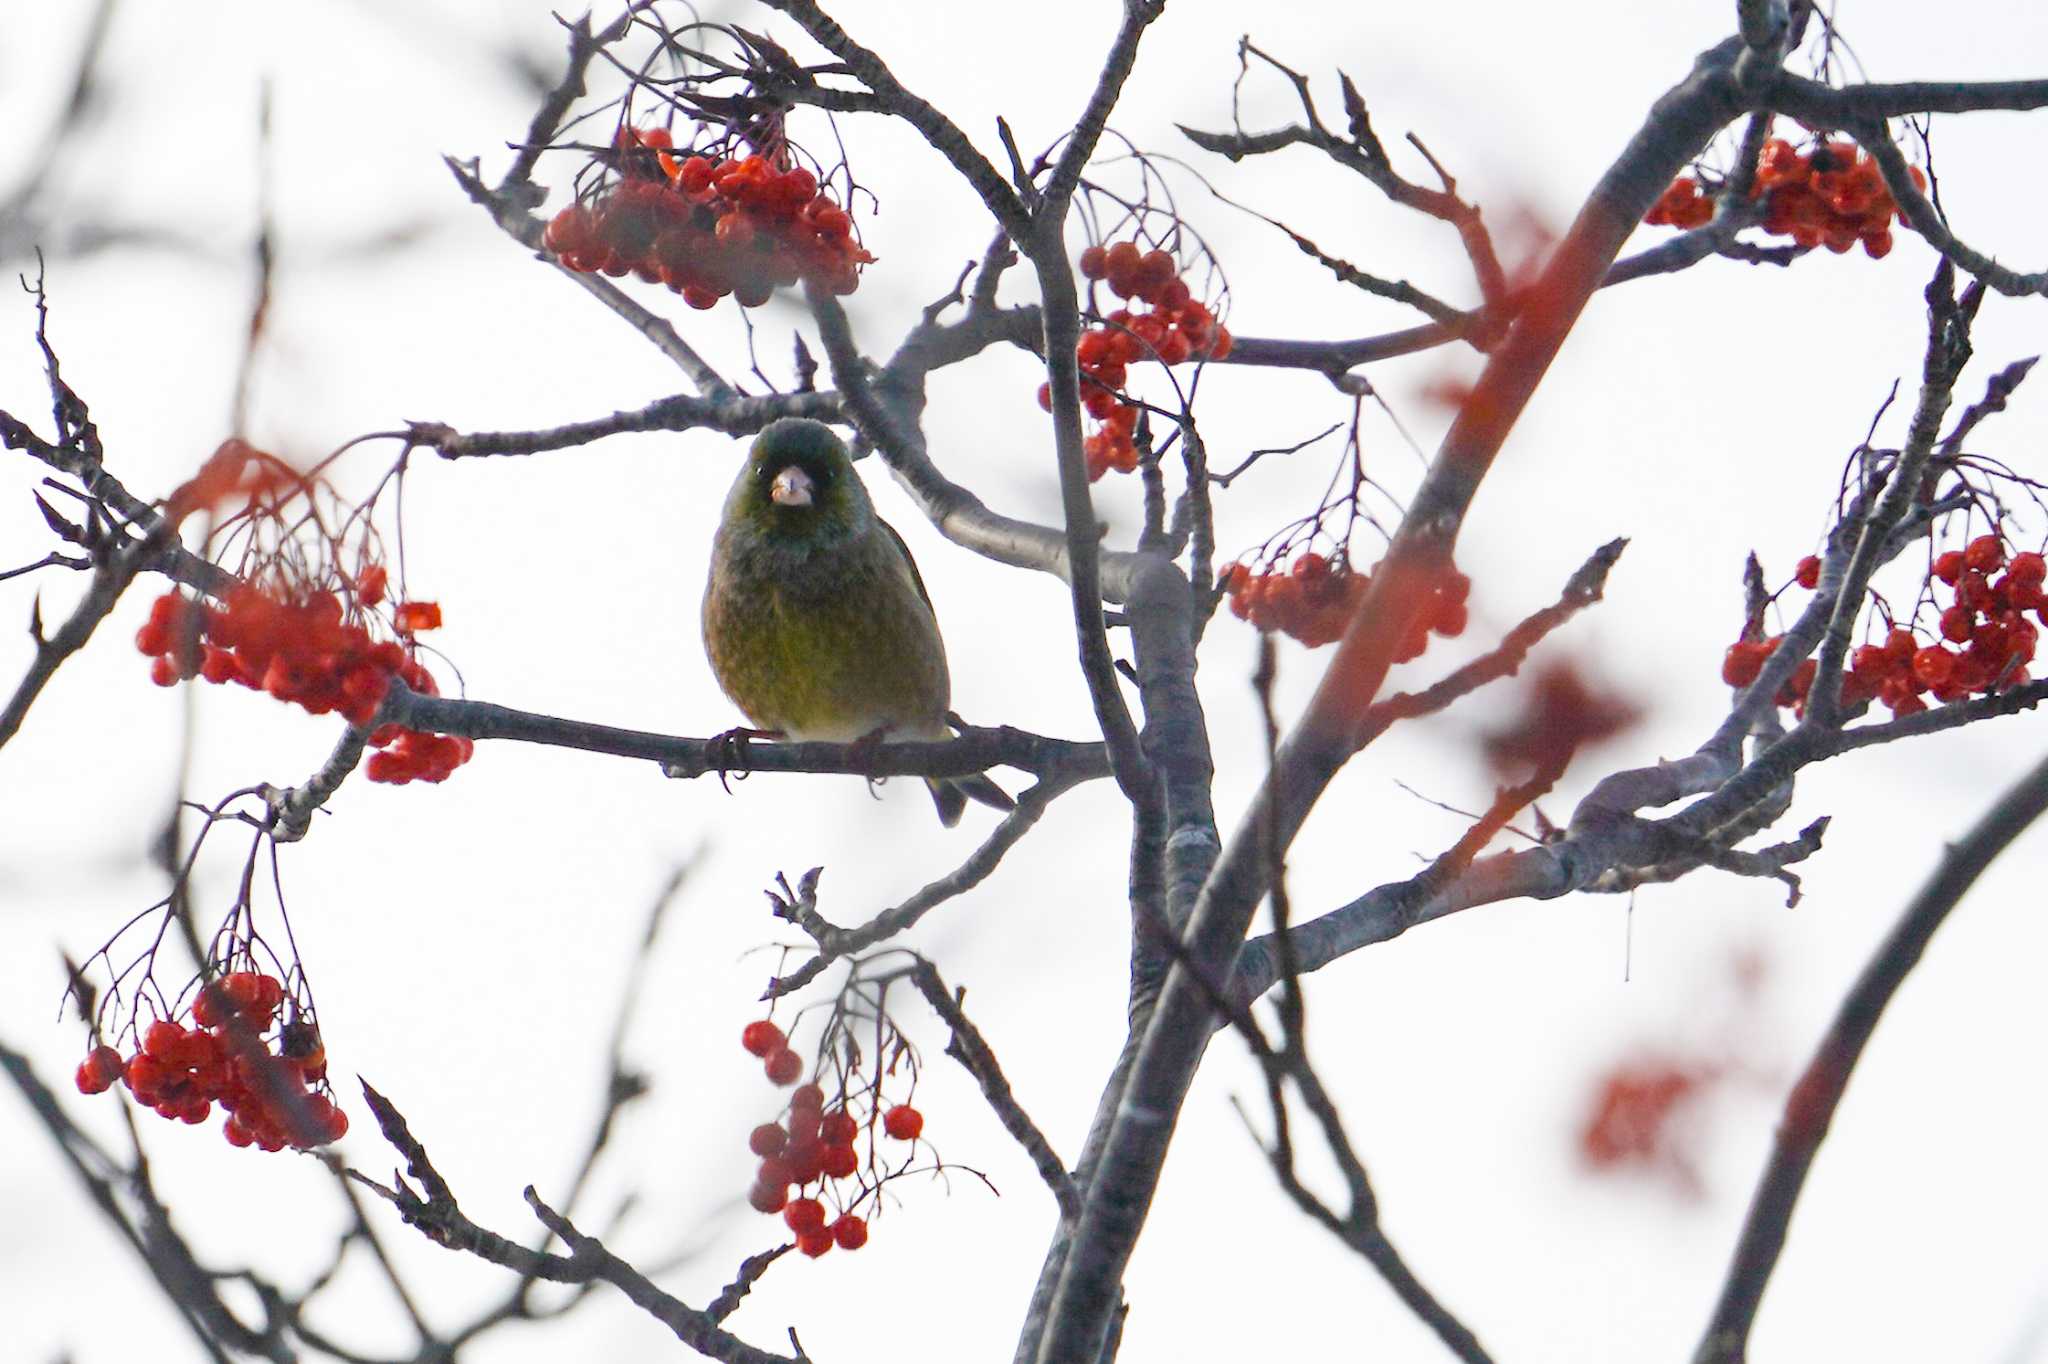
(816, 622)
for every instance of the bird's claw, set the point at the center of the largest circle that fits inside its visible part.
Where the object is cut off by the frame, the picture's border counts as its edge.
(728, 753)
(861, 753)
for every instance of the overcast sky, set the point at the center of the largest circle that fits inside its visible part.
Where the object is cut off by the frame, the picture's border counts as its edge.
(467, 941)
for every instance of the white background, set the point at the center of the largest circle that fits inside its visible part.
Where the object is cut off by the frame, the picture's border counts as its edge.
(468, 941)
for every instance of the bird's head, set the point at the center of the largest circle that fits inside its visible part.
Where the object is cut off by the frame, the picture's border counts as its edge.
(799, 487)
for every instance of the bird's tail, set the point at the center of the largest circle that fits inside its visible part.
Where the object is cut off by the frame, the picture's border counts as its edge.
(951, 795)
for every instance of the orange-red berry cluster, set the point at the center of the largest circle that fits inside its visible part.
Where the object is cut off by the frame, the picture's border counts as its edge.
(709, 226)
(273, 1098)
(1632, 1118)
(1832, 196)
(1174, 328)
(1986, 641)
(304, 652)
(809, 1148)
(1314, 599)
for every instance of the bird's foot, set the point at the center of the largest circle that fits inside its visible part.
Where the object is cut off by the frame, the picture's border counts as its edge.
(728, 752)
(861, 753)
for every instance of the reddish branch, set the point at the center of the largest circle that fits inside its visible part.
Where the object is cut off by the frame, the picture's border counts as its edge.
(1120, 1191)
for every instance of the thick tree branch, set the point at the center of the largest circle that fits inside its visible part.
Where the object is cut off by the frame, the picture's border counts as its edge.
(1826, 106)
(1119, 1194)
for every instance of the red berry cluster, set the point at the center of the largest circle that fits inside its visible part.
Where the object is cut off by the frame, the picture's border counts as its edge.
(1832, 195)
(810, 1147)
(1985, 619)
(1633, 1115)
(1175, 328)
(708, 226)
(1314, 599)
(305, 652)
(273, 1098)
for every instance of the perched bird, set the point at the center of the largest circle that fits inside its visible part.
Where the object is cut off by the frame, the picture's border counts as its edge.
(815, 619)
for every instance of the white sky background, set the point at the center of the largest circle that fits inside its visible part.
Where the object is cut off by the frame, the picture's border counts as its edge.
(467, 941)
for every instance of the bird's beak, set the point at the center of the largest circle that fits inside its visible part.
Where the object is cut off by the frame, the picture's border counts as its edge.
(791, 488)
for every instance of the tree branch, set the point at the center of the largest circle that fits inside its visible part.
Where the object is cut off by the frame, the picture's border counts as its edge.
(972, 1051)
(1120, 1192)
(835, 942)
(976, 750)
(1810, 1107)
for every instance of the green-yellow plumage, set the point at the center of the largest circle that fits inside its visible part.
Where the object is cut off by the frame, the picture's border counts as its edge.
(815, 619)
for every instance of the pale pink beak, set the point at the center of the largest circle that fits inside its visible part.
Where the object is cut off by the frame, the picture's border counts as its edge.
(791, 488)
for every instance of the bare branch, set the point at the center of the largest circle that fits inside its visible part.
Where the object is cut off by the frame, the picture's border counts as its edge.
(1175, 1035)
(1505, 659)
(1928, 222)
(1825, 106)
(971, 1050)
(292, 807)
(976, 750)
(109, 580)
(1810, 1108)
(835, 942)
(736, 416)
(938, 130)
(432, 1209)
(513, 215)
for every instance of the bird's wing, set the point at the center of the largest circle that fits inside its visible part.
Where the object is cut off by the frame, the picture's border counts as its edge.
(916, 579)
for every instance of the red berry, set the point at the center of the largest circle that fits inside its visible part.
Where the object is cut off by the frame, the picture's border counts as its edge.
(837, 1162)
(1093, 262)
(162, 1038)
(1984, 553)
(1948, 566)
(1121, 259)
(804, 1215)
(768, 1197)
(838, 1128)
(761, 1038)
(814, 1243)
(850, 1232)
(1743, 661)
(807, 1099)
(2029, 569)
(903, 1122)
(806, 1162)
(99, 1070)
(1808, 573)
(767, 1140)
(784, 1067)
